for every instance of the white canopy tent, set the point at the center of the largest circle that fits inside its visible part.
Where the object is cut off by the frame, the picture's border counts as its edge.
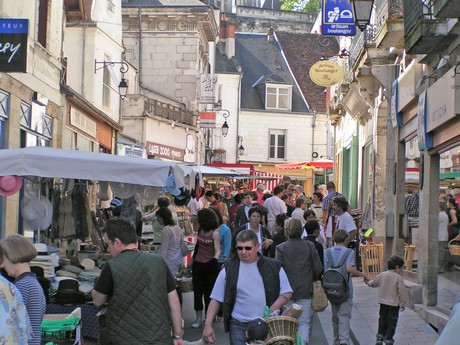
(72, 164)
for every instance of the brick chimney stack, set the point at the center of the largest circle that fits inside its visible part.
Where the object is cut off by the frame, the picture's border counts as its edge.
(230, 46)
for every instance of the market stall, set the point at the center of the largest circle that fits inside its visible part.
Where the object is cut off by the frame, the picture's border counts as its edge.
(60, 194)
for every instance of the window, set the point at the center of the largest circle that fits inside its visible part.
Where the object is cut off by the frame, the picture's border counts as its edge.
(106, 86)
(278, 97)
(36, 126)
(277, 144)
(42, 22)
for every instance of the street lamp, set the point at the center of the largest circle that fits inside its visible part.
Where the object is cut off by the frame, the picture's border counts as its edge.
(241, 148)
(363, 11)
(225, 127)
(123, 86)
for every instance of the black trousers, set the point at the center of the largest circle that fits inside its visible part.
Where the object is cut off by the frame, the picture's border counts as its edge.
(388, 319)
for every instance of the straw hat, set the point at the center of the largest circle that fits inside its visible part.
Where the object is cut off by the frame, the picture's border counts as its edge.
(122, 190)
(9, 185)
(48, 218)
(33, 212)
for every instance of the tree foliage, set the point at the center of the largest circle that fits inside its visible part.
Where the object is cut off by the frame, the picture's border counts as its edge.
(300, 5)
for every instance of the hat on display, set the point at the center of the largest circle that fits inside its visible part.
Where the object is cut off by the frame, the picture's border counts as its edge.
(48, 218)
(183, 198)
(170, 186)
(42, 249)
(10, 185)
(33, 212)
(122, 190)
(115, 203)
(151, 194)
(88, 264)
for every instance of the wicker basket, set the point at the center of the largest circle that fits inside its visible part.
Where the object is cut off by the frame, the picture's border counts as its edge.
(282, 330)
(454, 249)
(185, 284)
(409, 250)
(372, 258)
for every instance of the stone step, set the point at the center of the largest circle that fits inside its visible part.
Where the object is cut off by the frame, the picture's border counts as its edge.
(435, 316)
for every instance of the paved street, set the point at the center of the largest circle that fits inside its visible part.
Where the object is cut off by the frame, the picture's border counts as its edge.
(412, 329)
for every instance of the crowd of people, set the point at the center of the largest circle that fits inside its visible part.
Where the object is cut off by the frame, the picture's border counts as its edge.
(254, 251)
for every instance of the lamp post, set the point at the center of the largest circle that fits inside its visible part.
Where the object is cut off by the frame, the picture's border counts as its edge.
(123, 86)
(363, 11)
(225, 127)
(241, 148)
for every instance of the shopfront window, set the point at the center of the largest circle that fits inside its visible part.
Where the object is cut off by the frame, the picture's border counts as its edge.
(36, 130)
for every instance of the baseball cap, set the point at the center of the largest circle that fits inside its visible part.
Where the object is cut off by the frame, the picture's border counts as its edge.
(257, 330)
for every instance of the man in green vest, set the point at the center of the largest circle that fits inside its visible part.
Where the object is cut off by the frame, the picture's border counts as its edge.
(143, 305)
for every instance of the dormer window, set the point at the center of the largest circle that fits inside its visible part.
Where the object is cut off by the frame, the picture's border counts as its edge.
(278, 97)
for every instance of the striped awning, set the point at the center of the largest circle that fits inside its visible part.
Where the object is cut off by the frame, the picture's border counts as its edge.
(270, 180)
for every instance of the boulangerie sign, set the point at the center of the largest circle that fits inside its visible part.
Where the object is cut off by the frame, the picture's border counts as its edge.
(13, 44)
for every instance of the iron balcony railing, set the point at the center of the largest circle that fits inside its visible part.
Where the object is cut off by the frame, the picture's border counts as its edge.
(415, 10)
(168, 111)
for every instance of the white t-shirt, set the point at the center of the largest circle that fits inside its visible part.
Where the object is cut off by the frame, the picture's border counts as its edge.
(298, 214)
(275, 206)
(443, 222)
(194, 206)
(250, 294)
(345, 221)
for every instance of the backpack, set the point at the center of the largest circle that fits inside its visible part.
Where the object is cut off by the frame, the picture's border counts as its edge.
(335, 279)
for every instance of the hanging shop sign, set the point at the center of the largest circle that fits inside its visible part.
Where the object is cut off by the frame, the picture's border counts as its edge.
(337, 18)
(326, 73)
(164, 151)
(209, 89)
(208, 119)
(13, 45)
(443, 102)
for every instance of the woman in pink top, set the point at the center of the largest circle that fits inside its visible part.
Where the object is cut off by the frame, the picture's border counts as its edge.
(205, 268)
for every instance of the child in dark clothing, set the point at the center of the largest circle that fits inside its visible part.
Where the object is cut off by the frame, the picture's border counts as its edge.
(392, 297)
(312, 229)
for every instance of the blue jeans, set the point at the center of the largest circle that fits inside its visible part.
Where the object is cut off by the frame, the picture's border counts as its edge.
(306, 319)
(238, 332)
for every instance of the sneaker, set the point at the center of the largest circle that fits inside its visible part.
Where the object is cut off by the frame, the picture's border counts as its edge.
(197, 324)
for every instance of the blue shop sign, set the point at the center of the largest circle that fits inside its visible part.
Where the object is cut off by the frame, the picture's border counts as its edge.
(13, 44)
(338, 18)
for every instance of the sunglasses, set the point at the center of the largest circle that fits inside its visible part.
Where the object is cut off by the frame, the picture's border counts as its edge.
(245, 248)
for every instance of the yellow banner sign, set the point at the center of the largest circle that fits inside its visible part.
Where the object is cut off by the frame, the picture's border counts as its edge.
(326, 73)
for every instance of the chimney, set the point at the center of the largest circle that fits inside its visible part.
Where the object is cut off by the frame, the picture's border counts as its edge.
(230, 45)
(270, 34)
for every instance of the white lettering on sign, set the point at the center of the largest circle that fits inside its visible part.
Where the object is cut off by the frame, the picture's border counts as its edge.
(11, 48)
(165, 151)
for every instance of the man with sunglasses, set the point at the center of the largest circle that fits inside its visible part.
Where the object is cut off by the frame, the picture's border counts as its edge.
(247, 284)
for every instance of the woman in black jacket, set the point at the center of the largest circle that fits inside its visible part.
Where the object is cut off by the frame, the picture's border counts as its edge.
(265, 238)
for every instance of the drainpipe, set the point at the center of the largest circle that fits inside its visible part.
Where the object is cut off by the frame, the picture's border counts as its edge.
(83, 63)
(313, 125)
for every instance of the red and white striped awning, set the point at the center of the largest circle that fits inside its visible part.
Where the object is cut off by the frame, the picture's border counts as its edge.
(270, 180)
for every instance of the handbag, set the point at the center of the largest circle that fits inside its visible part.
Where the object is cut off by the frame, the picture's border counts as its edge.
(184, 249)
(319, 299)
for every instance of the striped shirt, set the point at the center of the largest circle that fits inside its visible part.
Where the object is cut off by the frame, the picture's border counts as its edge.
(34, 300)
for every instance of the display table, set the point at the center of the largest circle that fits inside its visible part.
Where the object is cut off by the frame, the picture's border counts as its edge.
(89, 319)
